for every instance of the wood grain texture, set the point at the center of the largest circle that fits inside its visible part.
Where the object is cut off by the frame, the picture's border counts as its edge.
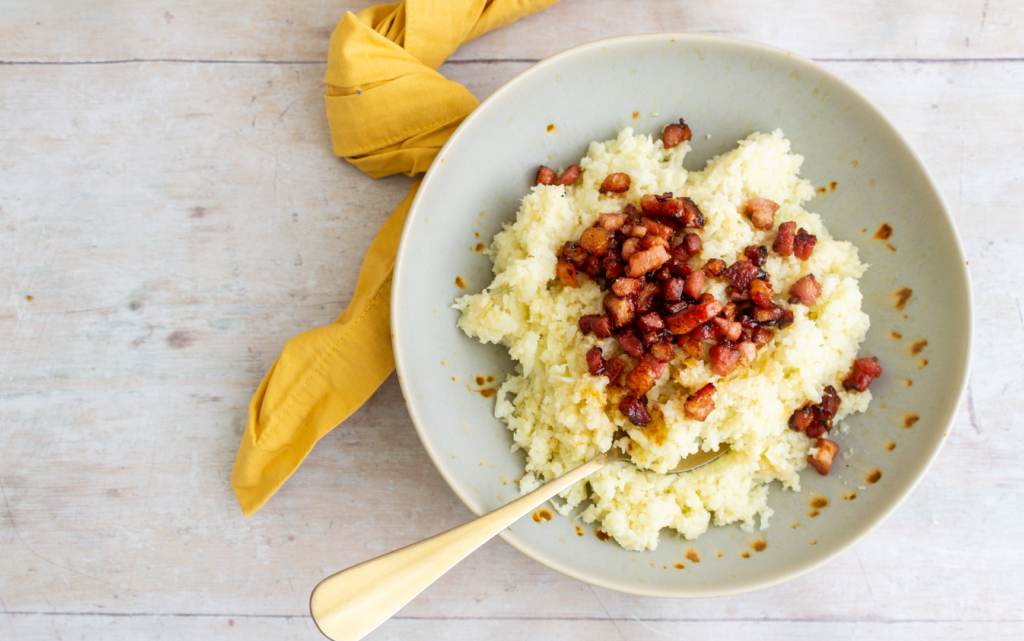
(174, 223)
(300, 31)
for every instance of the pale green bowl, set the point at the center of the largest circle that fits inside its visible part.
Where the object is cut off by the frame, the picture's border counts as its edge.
(727, 88)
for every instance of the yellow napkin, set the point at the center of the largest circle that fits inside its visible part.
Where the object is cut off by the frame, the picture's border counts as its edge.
(390, 112)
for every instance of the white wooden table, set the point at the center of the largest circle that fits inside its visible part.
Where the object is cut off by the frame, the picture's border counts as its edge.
(171, 213)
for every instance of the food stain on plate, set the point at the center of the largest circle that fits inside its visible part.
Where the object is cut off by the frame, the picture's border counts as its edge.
(918, 347)
(902, 296)
(602, 535)
(759, 546)
(486, 392)
(692, 555)
(579, 530)
(461, 284)
(542, 516)
(908, 421)
(851, 496)
(874, 477)
(884, 232)
(481, 380)
(679, 566)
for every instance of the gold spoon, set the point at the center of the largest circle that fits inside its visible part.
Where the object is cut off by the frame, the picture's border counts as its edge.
(350, 604)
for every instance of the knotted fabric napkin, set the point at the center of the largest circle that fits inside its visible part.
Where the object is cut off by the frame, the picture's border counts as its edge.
(390, 112)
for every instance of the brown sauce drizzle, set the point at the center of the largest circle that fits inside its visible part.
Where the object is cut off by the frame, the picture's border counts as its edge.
(874, 477)
(832, 185)
(918, 347)
(819, 502)
(636, 114)
(759, 546)
(679, 566)
(903, 296)
(479, 247)
(795, 525)
(895, 334)
(486, 392)
(891, 446)
(490, 379)
(813, 513)
(745, 555)
(602, 535)
(814, 542)
(692, 555)
(480, 380)
(821, 190)
(884, 232)
(910, 419)
(461, 284)
(851, 496)
(579, 531)
(909, 382)
(542, 516)
(923, 364)
(551, 127)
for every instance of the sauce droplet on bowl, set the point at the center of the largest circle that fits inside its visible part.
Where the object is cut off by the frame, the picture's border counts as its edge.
(902, 296)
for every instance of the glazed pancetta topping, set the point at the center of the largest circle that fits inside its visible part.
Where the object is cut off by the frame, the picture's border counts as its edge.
(864, 371)
(647, 258)
(761, 212)
(675, 134)
(822, 459)
(615, 183)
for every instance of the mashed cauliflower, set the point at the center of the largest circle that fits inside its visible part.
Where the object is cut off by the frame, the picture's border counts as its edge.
(562, 416)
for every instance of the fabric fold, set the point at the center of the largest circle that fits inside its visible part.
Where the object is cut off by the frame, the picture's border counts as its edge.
(390, 112)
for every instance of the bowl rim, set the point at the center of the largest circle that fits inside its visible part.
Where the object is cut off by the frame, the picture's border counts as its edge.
(753, 48)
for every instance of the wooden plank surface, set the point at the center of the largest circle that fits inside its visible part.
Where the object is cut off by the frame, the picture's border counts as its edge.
(300, 31)
(175, 222)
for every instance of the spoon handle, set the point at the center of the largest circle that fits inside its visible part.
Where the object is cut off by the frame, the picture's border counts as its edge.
(352, 603)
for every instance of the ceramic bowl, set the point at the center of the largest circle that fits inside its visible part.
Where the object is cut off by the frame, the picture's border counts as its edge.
(916, 291)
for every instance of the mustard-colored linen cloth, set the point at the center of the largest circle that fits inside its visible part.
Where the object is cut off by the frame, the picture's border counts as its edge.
(390, 112)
